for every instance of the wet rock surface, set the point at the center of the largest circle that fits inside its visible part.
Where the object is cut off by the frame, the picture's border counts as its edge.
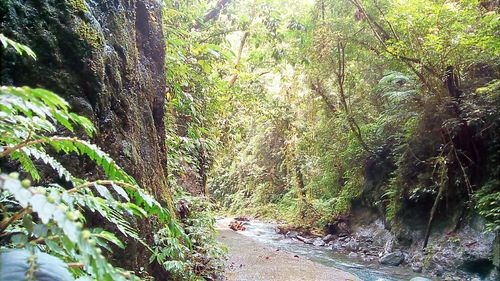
(420, 279)
(319, 242)
(456, 256)
(395, 258)
(107, 59)
(328, 238)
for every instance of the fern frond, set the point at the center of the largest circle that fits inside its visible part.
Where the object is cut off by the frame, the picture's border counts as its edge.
(53, 163)
(400, 96)
(39, 105)
(81, 147)
(112, 211)
(63, 215)
(20, 48)
(26, 163)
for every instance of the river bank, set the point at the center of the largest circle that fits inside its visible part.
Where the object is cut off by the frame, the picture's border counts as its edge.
(251, 260)
(348, 253)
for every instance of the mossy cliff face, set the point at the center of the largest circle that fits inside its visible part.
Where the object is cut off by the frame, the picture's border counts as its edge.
(106, 57)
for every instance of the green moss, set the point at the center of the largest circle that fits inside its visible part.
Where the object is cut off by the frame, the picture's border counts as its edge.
(127, 149)
(90, 35)
(78, 5)
(429, 253)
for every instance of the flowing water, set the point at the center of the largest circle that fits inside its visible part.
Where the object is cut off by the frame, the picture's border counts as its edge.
(266, 234)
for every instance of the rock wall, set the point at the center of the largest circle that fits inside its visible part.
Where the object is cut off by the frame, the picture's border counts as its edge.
(106, 57)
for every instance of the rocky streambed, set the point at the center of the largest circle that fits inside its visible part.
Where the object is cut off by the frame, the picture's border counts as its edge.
(372, 253)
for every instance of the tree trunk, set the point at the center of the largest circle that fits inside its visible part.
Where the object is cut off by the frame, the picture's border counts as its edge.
(299, 179)
(442, 188)
(238, 59)
(340, 75)
(318, 88)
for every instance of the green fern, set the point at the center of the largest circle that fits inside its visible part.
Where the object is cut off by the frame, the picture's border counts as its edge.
(20, 48)
(29, 125)
(26, 163)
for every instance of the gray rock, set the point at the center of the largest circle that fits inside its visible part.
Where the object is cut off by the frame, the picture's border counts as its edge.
(417, 267)
(420, 279)
(308, 241)
(304, 239)
(328, 238)
(352, 245)
(389, 245)
(352, 255)
(292, 234)
(365, 235)
(366, 258)
(394, 258)
(337, 246)
(439, 270)
(319, 242)
(494, 275)
(417, 257)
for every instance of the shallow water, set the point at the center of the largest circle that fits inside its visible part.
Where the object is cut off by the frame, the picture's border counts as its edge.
(266, 234)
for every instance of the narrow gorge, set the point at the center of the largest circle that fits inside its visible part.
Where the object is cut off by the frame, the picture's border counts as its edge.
(249, 140)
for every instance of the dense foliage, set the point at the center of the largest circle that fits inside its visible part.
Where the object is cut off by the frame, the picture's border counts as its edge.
(195, 63)
(294, 110)
(387, 104)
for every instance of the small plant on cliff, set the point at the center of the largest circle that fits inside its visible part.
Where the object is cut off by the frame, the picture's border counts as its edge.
(39, 217)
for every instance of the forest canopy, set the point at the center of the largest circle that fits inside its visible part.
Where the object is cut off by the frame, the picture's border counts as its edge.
(309, 112)
(302, 108)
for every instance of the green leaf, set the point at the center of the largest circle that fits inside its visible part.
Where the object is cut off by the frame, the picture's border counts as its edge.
(44, 209)
(20, 48)
(108, 236)
(103, 191)
(120, 191)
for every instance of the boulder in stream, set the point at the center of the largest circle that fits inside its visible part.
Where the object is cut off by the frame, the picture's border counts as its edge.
(420, 279)
(337, 246)
(394, 258)
(417, 267)
(319, 242)
(328, 238)
(309, 241)
(352, 245)
(305, 240)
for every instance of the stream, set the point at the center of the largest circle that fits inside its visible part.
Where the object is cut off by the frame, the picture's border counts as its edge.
(265, 233)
